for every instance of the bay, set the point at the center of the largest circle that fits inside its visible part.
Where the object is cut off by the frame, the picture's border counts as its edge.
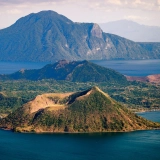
(139, 145)
(153, 115)
(126, 67)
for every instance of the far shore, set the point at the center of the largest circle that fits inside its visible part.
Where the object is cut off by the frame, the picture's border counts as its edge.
(148, 110)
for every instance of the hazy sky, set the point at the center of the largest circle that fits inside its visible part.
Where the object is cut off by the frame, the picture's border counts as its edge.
(100, 11)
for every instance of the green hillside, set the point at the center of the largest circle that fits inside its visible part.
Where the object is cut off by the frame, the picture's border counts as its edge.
(88, 111)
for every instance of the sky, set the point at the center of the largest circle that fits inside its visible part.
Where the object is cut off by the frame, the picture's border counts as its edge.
(145, 12)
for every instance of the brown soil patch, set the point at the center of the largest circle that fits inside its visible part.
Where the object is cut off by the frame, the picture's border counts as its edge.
(43, 101)
(151, 78)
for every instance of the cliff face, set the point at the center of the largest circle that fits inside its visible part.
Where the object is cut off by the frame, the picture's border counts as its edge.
(48, 36)
(88, 111)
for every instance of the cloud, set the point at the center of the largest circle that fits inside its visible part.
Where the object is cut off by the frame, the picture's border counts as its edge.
(135, 18)
(16, 2)
(114, 3)
(13, 11)
(96, 5)
(144, 4)
(158, 4)
(148, 5)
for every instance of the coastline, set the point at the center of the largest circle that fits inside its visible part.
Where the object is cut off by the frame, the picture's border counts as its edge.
(144, 110)
(60, 132)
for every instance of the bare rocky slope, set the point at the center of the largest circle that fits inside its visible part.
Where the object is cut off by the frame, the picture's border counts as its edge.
(88, 111)
(151, 78)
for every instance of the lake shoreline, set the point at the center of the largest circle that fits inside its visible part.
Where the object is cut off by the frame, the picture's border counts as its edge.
(50, 132)
(144, 111)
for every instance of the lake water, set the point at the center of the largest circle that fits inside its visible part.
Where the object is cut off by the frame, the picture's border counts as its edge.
(139, 145)
(11, 67)
(126, 67)
(133, 67)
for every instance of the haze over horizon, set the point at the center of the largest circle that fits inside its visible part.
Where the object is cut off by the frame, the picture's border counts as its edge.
(97, 11)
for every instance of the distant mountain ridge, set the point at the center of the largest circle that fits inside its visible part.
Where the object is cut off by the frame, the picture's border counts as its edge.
(47, 36)
(75, 71)
(91, 110)
(132, 30)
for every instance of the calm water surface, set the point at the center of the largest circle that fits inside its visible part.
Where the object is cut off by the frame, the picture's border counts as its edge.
(126, 67)
(153, 116)
(139, 145)
(133, 67)
(11, 67)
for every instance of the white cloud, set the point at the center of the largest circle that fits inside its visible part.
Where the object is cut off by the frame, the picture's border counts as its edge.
(144, 5)
(150, 5)
(158, 4)
(16, 2)
(115, 2)
(135, 18)
(13, 11)
(96, 4)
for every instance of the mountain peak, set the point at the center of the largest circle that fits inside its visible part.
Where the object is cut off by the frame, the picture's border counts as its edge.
(61, 64)
(47, 12)
(95, 88)
(48, 36)
(51, 14)
(42, 18)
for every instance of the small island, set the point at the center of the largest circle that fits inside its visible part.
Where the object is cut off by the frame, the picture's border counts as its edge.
(91, 110)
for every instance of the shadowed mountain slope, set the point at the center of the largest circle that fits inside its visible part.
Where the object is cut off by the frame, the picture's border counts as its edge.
(48, 36)
(75, 71)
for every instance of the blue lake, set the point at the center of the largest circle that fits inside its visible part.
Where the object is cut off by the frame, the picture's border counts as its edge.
(126, 67)
(133, 67)
(139, 145)
(11, 67)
